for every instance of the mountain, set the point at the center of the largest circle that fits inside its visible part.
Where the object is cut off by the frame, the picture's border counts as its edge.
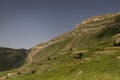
(11, 58)
(91, 51)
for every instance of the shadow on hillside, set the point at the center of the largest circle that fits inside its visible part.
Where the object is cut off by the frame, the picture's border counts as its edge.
(109, 31)
(12, 58)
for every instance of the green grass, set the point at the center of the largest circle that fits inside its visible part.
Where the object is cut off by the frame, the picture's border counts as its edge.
(52, 50)
(92, 66)
(107, 67)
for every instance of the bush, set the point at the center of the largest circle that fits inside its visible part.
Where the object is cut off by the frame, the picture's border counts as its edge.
(116, 44)
(33, 71)
(71, 49)
(18, 72)
(6, 77)
(40, 63)
(48, 58)
(55, 58)
(78, 56)
(33, 62)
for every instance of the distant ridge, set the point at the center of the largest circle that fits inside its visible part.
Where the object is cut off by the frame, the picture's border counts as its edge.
(11, 58)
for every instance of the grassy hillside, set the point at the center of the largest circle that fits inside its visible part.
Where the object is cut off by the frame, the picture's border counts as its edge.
(89, 52)
(11, 58)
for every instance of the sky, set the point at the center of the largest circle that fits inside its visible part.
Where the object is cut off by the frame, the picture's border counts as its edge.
(26, 23)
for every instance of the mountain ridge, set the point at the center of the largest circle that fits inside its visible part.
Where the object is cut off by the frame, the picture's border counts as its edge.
(11, 58)
(75, 30)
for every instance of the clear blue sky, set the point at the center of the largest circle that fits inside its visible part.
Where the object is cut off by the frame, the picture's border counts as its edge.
(25, 23)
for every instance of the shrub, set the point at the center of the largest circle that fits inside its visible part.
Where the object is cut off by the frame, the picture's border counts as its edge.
(6, 77)
(70, 49)
(40, 63)
(48, 58)
(55, 58)
(78, 56)
(33, 62)
(33, 71)
(116, 44)
(18, 72)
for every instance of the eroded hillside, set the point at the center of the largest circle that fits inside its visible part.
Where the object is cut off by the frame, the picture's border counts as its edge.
(91, 51)
(92, 31)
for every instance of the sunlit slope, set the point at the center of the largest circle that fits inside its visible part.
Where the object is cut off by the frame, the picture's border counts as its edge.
(91, 51)
(98, 33)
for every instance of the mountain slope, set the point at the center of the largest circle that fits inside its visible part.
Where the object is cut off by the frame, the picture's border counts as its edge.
(89, 32)
(11, 58)
(91, 51)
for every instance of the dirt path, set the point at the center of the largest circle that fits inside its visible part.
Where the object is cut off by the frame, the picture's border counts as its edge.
(30, 57)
